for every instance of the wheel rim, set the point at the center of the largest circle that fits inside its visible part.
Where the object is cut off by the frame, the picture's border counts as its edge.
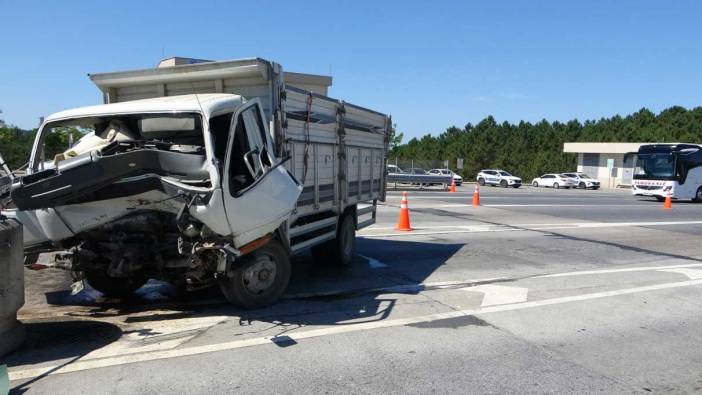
(698, 196)
(556, 185)
(536, 184)
(260, 276)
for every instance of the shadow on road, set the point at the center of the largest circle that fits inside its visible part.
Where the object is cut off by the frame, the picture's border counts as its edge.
(320, 293)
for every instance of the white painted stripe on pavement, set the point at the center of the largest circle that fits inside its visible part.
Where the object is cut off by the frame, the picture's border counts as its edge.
(373, 263)
(624, 270)
(81, 365)
(692, 274)
(519, 227)
(569, 205)
(499, 294)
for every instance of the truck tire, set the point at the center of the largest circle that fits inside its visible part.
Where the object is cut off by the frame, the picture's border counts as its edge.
(340, 250)
(115, 287)
(259, 279)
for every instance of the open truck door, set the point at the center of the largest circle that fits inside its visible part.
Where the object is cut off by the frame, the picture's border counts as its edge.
(259, 193)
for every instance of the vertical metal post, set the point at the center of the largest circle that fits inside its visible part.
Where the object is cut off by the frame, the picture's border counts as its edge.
(359, 178)
(316, 175)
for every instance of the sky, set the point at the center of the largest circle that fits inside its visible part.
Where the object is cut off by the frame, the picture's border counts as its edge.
(430, 64)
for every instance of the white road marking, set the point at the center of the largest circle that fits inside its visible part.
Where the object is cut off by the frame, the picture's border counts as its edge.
(520, 227)
(623, 270)
(692, 274)
(499, 294)
(81, 365)
(568, 205)
(373, 263)
(157, 335)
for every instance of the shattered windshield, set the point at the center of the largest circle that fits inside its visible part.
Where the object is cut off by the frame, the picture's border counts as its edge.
(72, 137)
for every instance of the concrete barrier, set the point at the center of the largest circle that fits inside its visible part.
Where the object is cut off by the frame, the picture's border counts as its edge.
(11, 284)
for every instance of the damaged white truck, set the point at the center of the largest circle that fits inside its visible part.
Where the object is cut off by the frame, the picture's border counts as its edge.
(204, 174)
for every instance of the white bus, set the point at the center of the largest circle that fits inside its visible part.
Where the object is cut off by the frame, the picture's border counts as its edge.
(669, 168)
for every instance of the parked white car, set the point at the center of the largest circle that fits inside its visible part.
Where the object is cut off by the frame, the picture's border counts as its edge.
(498, 177)
(446, 172)
(555, 181)
(584, 181)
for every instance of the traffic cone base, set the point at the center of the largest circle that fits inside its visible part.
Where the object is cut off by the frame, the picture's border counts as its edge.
(403, 220)
(668, 204)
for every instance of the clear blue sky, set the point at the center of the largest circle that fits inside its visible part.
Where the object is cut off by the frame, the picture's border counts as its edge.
(430, 64)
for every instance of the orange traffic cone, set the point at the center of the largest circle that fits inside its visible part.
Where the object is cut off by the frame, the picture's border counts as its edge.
(476, 196)
(453, 186)
(403, 221)
(668, 204)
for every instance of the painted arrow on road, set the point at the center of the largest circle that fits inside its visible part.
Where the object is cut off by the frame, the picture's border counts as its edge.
(499, 294)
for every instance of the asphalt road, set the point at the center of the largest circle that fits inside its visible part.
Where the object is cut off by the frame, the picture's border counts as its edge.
(537, 290)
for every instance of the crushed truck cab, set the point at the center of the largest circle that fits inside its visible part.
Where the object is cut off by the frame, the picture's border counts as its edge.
(202, 189)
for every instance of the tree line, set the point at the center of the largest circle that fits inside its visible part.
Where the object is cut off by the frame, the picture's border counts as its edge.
(525, 149)
(530, 149)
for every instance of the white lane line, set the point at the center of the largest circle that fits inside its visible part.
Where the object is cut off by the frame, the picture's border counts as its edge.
(499, 294)
(157, 335)
(692, 274)
(373, 263)
(80, 365)
(624, 270)
(569, 205)
(520, 227)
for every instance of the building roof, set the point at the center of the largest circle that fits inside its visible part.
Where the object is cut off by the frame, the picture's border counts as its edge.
(209, 104)
(602, 148)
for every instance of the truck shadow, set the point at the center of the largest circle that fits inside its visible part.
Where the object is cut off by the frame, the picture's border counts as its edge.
(61, 341)
(319, 294)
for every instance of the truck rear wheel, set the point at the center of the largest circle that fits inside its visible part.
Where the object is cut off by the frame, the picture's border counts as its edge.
(259, 279)
(115, 287)
(341, 250)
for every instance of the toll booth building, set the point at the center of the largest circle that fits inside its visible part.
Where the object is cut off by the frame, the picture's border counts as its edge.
(605, 161)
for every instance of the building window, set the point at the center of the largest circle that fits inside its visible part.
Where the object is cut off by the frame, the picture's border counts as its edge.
(591, 160)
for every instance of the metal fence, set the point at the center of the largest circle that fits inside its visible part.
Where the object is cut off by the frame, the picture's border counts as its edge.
(424, 164)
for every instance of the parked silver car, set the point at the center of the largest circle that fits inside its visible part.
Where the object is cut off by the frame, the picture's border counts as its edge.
(584, 181)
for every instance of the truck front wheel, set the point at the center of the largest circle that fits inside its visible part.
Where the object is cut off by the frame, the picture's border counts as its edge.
(115, 287)
(259, 279)
(341, 249)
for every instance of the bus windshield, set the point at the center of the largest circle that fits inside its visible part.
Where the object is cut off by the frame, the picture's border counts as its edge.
(651, 166)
